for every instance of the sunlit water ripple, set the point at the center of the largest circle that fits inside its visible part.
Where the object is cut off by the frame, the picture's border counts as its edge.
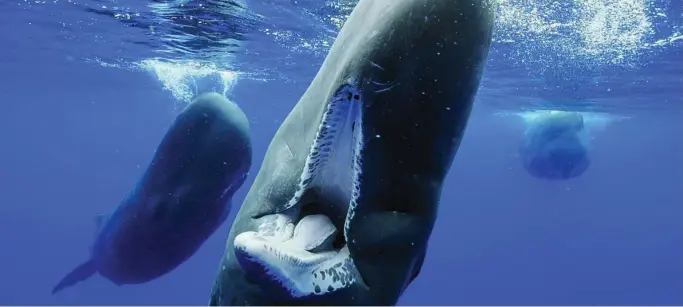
(606, 56)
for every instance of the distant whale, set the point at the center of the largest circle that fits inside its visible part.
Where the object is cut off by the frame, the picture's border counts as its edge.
(556, 146)
(183, 197)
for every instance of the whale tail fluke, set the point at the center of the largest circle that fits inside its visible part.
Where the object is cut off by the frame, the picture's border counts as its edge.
(80, 273)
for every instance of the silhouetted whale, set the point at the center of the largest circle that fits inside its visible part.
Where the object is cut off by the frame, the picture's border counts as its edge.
(183, 196)
(556, 146)
(345, 201)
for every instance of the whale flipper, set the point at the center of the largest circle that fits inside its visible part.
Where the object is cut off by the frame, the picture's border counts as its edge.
(80, 273)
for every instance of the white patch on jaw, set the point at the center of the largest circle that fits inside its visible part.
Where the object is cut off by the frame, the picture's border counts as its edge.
(297, 271)
(288, 265)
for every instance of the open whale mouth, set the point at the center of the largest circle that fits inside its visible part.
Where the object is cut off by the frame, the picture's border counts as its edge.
(300, 249)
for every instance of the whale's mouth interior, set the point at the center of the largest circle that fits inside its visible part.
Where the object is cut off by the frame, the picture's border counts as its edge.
(300, 249)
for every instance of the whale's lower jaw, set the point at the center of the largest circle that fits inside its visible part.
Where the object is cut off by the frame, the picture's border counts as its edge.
(288, 271)
(290, 259)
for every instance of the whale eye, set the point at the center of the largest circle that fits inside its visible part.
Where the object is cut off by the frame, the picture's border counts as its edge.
(356, 97)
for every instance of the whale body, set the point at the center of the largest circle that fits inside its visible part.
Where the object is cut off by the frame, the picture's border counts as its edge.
(344, 203)
(556, 146)
(181, 199)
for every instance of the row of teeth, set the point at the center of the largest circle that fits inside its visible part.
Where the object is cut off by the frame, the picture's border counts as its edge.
(324, 139)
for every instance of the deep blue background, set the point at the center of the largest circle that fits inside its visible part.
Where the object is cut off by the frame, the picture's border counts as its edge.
(75, 137)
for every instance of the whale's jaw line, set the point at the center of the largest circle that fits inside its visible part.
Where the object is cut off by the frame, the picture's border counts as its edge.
(291, 256)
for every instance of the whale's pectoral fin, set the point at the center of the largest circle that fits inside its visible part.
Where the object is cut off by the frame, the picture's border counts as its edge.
(80, 273)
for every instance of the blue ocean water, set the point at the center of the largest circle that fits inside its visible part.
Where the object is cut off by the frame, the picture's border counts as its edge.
(89, 87)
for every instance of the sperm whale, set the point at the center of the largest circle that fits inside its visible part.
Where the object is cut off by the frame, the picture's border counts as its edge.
(182, 198)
